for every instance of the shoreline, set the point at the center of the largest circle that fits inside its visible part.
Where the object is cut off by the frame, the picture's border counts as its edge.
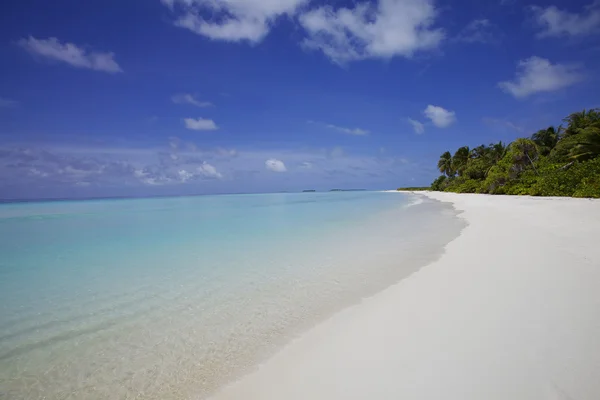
(227, 311)
(510, 310)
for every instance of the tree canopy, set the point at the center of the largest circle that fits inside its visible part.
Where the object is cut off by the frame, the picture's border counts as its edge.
(555, 161)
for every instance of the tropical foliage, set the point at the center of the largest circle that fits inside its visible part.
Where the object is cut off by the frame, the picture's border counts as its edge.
(556, 161)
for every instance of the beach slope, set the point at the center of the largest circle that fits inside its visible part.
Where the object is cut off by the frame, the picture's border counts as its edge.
(510, 311)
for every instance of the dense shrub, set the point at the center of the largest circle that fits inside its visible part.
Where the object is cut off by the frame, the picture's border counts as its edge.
(476, 168)
(553, 162)
(439, 184)
(469, 186)
(563, 149)
(580, 177)
(496, 179)
(589, 187)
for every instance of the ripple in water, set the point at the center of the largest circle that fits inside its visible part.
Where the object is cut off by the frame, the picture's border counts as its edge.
(172, 298)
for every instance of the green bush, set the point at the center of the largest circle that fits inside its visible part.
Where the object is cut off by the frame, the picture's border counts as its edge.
(589, 187)
(440, 183)
(522, 185)
(562, 151)
(581, 177)
(496, 179)
(464, 185)
(469, 186)
(476, 169)
(556, 161)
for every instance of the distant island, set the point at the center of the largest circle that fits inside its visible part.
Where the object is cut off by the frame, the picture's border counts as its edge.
(335, 190)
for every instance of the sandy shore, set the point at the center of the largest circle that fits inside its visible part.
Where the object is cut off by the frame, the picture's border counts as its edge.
(510, 311)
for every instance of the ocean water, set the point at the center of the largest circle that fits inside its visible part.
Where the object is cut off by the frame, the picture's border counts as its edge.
(170, 298)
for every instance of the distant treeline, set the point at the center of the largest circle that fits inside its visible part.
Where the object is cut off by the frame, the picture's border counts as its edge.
(415, 188)
(556, 161)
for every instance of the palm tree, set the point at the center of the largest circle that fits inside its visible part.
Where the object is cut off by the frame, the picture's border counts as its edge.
(479, 151)
(546, 139)
(445, 164)
(589, 145)
(496, 152)
(524, 152)
(581, 120)
(460, 158)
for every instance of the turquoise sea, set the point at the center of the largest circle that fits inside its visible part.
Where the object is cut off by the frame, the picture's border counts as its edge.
(169, 298)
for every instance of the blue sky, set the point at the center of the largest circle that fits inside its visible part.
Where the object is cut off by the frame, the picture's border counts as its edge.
(151, 97)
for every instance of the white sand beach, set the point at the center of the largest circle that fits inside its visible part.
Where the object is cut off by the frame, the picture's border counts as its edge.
(510, 311)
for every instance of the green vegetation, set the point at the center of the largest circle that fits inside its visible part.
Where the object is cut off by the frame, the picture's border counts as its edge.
(563, 161)
(413, 188)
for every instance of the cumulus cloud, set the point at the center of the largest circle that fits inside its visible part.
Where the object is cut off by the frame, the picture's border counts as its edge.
(275, 165)
(200, 124)
(66, 171)
(204, 170)
(26, 165)
(71, 54)
(231, 20)
(385, 29)
(209, 171)
(440, 117)
(184, 175)
(477, 31)
(186, 98)
(418, 127)
(556, 22)
(537, 74)
(103, 167)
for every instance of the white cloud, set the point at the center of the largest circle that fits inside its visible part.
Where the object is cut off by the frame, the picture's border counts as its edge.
(71, 54)
(417, 126)
(205, 170)
(186, 98)
(6, 103)
(477, 31)
(209, 171)
(275, 165)
(184, 175)
(389, 28)
(231, 20)
(556, 22)
(349, 131)
(537, 74)
(200, 124)
(342, 129)
(114, 170)
(440, 117)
